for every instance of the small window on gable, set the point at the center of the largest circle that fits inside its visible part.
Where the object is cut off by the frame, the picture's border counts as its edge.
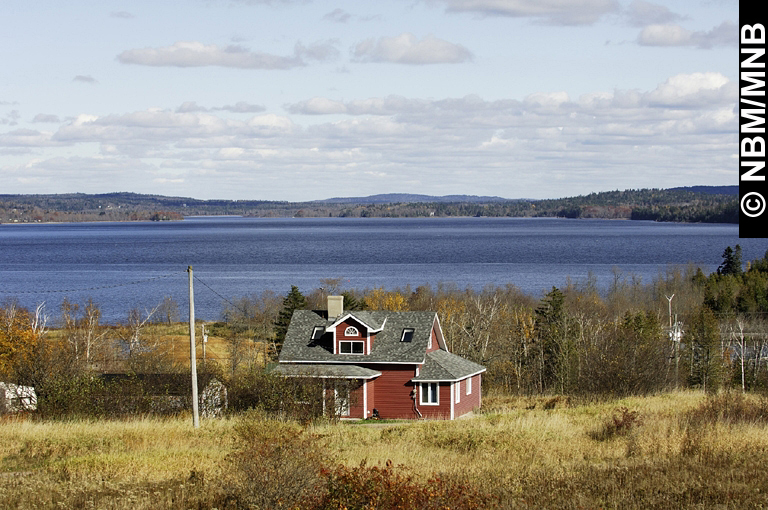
(317, 333)
(351, 331)
(407, 335)
(352, 347)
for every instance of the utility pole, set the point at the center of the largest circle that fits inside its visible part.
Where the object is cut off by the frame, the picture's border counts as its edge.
(205, 341)
(675, 337)
(669, 298)
(192, 353)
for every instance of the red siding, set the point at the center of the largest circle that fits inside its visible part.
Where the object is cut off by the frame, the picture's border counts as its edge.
(433, 337)
(369, 387)
(356, 401)
(362, 335)
(441, 411)
(393, 391)
(469, 402)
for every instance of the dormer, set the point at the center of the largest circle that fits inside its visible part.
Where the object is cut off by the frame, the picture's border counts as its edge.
(353, 333)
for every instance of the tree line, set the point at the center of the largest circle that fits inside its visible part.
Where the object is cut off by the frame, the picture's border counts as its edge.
(680, 205)
(684, 329)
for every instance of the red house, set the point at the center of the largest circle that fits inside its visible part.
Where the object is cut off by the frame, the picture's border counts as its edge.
(396, 364)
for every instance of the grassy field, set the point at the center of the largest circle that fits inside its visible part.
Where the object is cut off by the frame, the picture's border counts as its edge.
(677, 450)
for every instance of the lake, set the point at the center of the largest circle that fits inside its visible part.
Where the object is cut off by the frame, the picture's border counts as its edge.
(127, 265)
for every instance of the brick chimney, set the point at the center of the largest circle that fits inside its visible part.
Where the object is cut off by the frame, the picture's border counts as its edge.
(335, 306)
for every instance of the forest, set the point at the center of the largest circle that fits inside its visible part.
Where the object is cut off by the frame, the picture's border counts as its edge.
(696, 204)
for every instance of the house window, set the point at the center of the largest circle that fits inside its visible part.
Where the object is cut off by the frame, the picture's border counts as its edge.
(429, 394)
(317, 333)
(351, 331)
(458, 391)
(469, 385)
(407, 335)
(351, 347)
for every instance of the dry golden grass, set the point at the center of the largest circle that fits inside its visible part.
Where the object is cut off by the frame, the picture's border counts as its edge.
(527, 458)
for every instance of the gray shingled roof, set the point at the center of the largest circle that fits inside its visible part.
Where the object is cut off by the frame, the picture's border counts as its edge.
(445, 366)
(325, 370)
(387, 347)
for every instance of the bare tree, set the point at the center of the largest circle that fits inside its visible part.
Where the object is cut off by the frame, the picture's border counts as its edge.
(168, 311)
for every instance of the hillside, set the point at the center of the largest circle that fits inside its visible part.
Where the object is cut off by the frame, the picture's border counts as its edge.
(694, 204)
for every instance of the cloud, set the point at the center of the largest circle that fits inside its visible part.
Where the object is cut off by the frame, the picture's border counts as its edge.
(725, 34)
(272, 2)
(611, 139)
(43, 117)
(338, 16)
(196, 54)
(239, 107)
(11, 118)
(121, 15)
(321, 51)
(406, 49)
(85, 79)
(556, 12)
(26, 138)
(693, 90)
(242, 107)
(641, 13)
(317, 106)
(190, 107)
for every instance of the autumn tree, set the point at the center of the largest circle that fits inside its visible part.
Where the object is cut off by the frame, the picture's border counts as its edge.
(380, 299)
(27, 356)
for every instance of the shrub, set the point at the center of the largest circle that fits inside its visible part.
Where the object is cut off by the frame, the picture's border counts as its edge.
(276, 465)
(621, 422)
(731, 408)
(372, 487)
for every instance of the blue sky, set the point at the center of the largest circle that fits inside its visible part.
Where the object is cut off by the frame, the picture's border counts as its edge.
(301, 100)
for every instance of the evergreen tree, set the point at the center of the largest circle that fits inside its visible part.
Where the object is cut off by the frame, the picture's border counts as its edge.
(352, 303)
(706, 359)
(731, 261)
(295, 300)
(551, 333)
(760, 265)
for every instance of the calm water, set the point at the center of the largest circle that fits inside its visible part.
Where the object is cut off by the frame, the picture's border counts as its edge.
(127, 265)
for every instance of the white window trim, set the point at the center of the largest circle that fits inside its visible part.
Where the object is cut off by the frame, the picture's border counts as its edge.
(469, 385)
(428, 393)
(351, 331)
(458, 391)
(412, 331)
(362, 342)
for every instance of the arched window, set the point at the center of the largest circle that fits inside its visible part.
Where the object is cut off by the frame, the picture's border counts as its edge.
(351, 331)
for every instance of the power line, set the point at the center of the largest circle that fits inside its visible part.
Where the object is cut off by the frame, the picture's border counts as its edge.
(100, 287)
(242, 309)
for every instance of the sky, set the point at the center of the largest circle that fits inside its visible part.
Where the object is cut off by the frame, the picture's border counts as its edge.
(310, 99)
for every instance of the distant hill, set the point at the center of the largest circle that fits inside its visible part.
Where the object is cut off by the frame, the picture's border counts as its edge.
(711, 204)
(710, 190)
(409, 198)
